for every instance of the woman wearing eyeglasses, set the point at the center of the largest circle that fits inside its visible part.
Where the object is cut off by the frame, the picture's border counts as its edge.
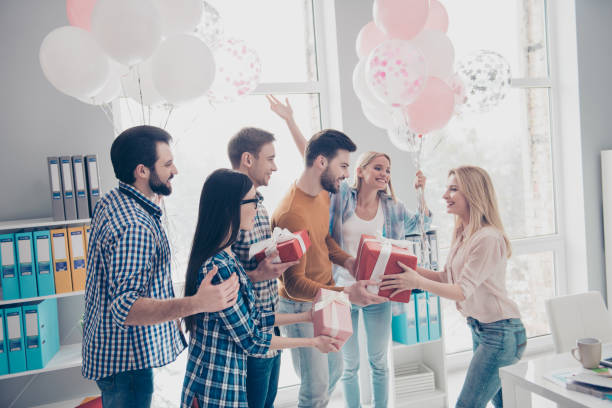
(220, 342)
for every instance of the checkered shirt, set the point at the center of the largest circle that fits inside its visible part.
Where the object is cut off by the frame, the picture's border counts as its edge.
(128, 258)
(221, 341)
(266, 291)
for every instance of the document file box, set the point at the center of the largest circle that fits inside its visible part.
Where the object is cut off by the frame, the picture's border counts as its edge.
(404, 325)
(16, 345)
(433, 250)
(4, 368)
(433, 311)
(68, 188)
(61, 261)
(44, 267)
(8, 267)
(93, 181)
(80, 187)
(41, 332)
(55, 184)
(421, 316)
(76, 243)
(25, 265)
(86, 230)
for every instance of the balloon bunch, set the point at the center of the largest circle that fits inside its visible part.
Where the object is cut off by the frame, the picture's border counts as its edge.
(405, 78)
(156, 52)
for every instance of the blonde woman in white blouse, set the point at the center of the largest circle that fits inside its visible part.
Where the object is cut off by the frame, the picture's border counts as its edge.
(475, 277)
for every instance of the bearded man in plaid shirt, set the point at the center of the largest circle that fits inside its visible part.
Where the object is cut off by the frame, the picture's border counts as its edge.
(251, 152)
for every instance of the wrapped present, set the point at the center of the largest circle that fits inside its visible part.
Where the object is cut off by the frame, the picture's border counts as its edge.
(331, 315)
(291, 246)
(379, 256)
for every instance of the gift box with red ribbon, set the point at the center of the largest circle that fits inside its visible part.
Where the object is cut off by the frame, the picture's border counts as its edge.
(331, 315)
(379, 256)
(291, 246)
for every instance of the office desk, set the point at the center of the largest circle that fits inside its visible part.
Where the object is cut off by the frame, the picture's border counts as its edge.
(526, 377)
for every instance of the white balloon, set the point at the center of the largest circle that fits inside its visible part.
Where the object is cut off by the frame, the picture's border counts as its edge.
(362, 90)
(72, 61)
(179, 16)
(438, 51)
(183, 68)
(128, 30)
(138, 83)
(109, 92)
(382, 118)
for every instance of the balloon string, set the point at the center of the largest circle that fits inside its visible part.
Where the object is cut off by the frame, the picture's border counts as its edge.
(144, 122)
(106, 109)
(127, 102)
(168, 117)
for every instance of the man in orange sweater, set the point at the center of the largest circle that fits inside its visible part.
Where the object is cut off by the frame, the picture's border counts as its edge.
(306, 207)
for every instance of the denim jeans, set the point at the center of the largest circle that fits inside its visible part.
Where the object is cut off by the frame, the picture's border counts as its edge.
(262, 381)
(318, 372)
(377, 320)
(496, 345)
(129, 389)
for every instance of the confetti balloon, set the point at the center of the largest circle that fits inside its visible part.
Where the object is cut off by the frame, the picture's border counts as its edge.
(486, 76)
(238, 71)
(396, 72)
(209, 29)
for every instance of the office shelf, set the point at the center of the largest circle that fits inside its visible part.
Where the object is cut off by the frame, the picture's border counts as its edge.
(39, 223)
(58, 295)
(68, 356)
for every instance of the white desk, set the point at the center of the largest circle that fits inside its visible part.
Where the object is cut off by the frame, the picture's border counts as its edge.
(520, 380)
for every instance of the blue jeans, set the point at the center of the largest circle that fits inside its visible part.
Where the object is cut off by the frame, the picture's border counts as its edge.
(129, 389)
(318, 372)
(496, 345)
(262, 381)
(377, 320)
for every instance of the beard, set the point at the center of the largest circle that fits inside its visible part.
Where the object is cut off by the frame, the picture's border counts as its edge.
(156, 185)
(328, 182)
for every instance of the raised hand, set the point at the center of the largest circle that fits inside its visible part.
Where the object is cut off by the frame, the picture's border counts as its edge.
(283, 110)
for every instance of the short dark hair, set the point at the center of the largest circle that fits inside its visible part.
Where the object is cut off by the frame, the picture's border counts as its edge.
(248, 139)
(134, 146)
(327, 142)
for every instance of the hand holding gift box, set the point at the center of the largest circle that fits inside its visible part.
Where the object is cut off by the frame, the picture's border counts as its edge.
(331, 315)
(379, 256)
(290, 246)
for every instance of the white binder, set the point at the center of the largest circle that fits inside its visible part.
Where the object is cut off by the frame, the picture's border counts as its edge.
(80, 187)
(68, 188)
(93, 181)
(55, 185)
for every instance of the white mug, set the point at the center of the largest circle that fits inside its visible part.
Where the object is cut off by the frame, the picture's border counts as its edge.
(589, 350)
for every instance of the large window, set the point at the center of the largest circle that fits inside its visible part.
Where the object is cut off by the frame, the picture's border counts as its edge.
(514, 143)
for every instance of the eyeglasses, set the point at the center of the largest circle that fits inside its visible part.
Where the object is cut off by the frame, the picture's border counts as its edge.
(252, 200)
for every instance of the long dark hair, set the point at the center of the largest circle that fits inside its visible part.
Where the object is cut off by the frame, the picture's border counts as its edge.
(218, 223)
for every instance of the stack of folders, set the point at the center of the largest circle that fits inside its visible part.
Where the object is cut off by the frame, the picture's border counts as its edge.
(418, 321)
(74, 185)
(413, 378)
(591, 383)
(42, 263)
(29, 336)
(431, 261)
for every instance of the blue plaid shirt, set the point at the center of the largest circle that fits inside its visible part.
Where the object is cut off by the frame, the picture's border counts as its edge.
(399, 222)
(128, 258)
(266, 292)
(221, 341)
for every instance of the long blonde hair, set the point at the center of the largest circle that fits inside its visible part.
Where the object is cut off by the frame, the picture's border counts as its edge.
(363, 161)
(476, 185)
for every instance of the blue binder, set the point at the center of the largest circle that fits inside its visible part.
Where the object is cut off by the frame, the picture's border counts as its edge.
(16, 345)
(404, 325)
(4, 368)
(8, 267)
(435, 321)
(25, 265)
(44, 264)
(421, 316)
(41, 332)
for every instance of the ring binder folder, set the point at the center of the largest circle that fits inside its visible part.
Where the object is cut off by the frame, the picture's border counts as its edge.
(55, 185)
(80, 187)
(68, 188)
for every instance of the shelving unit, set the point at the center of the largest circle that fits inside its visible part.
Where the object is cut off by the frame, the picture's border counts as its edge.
(14, 387)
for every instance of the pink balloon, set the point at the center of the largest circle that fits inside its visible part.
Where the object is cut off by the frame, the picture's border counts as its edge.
(79, 12)
(438, 17)
(433, 108)
(368, 38)
(401, 19)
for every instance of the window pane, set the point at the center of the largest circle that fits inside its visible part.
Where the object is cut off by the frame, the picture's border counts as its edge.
(530, 281)
(201, 133)
(515, 29)
(281, 31)
(513, 144)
